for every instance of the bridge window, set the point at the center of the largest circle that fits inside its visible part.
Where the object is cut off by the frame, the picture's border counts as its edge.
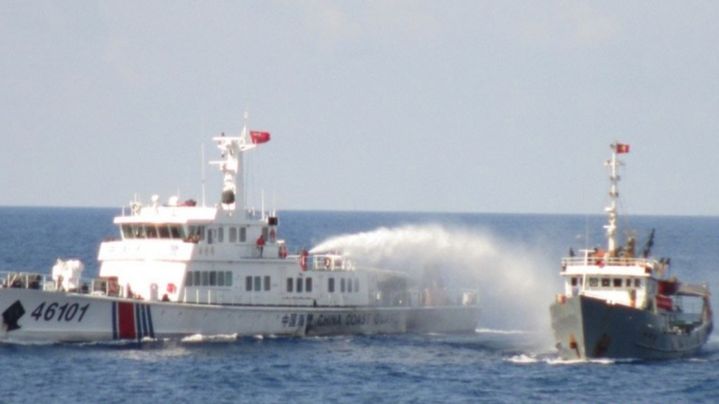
(638, 283)
(308, 285)
(127, 231)
(210, 234)
(213, 278)
(176, 231)
(299, 285)
(629, 282)
(220, 278)
(139, 231)
(356, 282)
(164, 231)
(342, 285)
(233, 234)
(605, 282)
(196, 278)
(267, 283)
(574, 281)
(248, 283)
(258, 283)
(593, 282)
(188, 278)
(220, 234)
(290, 283)
(132, 231)
(617, 282)
(331, 285)
(243, 234)
(205, 278)
(228, 278)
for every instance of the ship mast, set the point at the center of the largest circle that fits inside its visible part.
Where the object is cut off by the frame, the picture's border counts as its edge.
(613, 163)
(231, 166)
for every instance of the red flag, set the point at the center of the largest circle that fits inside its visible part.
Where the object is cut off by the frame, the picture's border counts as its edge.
(622, 148)
(258, 137)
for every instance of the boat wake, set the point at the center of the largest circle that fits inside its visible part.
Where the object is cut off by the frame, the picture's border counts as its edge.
(552, 359)
(522, 359)
(602, 361)
(200, 338)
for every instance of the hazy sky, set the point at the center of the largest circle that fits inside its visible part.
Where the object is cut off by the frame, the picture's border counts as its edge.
(473, 106)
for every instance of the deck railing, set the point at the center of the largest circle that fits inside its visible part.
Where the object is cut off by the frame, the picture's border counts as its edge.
(608, 261)
(45, 282)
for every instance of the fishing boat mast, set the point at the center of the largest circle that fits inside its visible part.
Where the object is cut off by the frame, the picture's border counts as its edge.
(613, 163)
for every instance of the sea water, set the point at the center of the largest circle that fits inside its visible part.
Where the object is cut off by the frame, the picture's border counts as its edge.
(512, 260)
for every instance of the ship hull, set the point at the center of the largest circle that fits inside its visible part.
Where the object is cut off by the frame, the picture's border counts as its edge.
(588, 328)
(35, 315)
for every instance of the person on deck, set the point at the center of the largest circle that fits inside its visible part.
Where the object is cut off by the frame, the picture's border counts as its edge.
(260, 244)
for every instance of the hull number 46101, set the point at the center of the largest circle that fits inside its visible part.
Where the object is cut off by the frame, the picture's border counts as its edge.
(65, 312)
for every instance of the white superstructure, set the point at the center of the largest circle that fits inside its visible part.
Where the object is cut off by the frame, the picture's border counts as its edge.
(224, 254)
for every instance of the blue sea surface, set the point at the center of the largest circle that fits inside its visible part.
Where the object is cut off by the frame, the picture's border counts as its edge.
(497, 363)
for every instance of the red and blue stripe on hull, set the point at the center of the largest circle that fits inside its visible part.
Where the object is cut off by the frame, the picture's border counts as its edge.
(132, 321)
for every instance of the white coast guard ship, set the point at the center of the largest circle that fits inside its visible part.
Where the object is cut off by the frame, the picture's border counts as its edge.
(179, 269)
(617, 304)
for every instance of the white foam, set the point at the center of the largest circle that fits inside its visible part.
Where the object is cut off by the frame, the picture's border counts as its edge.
(522, 359)
(600, 361)
(209, 338)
